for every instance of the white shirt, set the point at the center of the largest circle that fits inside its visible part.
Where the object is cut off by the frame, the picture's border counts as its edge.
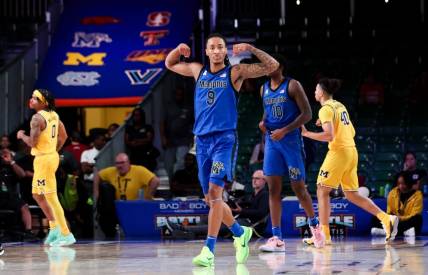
(89, 157)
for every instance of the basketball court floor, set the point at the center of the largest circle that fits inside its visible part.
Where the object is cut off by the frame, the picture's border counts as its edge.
(350, 256)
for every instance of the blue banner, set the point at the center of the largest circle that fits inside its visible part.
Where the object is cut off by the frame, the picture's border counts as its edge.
(107, 52)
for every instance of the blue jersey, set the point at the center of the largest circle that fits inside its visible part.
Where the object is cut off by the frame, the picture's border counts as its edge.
(280, 109)
(215, 102)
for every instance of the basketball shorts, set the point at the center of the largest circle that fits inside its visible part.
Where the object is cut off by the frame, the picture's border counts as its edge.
(340, 168)
(45, 166)
(285, 156)
(216, 156)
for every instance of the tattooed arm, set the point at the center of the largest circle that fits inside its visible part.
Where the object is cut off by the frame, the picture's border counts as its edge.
(243, 71)
(37, 124)
(62, 136)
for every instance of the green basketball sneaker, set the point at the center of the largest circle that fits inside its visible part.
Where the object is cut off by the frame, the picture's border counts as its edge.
(205, 258)
(64, 240)
(241, 245)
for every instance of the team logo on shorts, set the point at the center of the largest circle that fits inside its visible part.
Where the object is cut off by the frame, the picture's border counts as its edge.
(217, 168)
(41, 182)
(293, 172)
(324, 173)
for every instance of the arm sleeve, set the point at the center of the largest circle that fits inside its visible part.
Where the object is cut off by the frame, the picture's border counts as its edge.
(326, 114)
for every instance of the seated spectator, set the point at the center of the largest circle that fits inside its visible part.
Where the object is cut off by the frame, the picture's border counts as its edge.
(6, 144)
(76, 147)
(372, 91)
(258, 152)
(111, 129)
(10, 172)
(176, 131)
(254, 208)
(87, 160)
(122, 182)
(410, 164)
(139, 141)
(185, 182)
(407, 204)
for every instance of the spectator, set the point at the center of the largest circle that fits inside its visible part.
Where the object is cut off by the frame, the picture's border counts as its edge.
(407, 204)
(258, 152)
(123, 182)
(5, 144)
(176, 132)
(139, 140)
(25, 160)
(76, 147)
(410, 164)
(87, 160)
(111, 129)
(10, 171)
(372, 91)
(185, 182)
(256, 207)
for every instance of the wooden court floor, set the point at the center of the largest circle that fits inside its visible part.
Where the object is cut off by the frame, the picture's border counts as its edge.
(350, 256)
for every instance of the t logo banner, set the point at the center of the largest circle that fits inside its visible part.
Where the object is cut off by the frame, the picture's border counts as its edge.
(151, 38)
(137, 78)
(94, 59)
(158, 18)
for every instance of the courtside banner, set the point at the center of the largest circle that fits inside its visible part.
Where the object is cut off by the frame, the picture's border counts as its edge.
(107, 52)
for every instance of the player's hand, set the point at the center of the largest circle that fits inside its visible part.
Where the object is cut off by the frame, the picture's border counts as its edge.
(262, 126)
(20, 134)
(304, 130)
(318, 123)
(184, 50)
(278, 134)
(240, 48)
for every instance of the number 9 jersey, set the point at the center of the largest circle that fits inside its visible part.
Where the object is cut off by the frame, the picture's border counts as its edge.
(335, 112)
(48, 138)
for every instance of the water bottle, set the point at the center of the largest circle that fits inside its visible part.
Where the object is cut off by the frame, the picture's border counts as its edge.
(387, 189)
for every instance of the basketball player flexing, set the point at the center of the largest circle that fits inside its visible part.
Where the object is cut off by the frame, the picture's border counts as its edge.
(217, 85)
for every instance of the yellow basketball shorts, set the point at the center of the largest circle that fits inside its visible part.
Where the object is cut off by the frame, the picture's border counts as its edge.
(45, 166)
(340, 168)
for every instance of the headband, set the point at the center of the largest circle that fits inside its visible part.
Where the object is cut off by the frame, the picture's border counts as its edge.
(40, 97)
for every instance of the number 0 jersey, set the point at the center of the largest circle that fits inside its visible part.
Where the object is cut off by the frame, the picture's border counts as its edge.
(215, 102)
(335, 112)
(280, 109)
(48, 138)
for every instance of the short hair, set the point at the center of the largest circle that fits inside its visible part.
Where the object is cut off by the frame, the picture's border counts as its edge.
(215, 34)
(330, 85)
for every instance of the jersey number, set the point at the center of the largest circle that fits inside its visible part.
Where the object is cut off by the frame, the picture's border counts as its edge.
(277, 111)
(53, 131)
(344, 118)
(210, 97)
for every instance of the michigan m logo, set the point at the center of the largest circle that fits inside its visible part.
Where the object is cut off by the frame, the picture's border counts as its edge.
(324, 173)
(41, 182)
(94, 59)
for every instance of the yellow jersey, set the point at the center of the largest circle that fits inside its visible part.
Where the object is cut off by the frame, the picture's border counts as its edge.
(335, 112)
(48, 138)
(138, 177)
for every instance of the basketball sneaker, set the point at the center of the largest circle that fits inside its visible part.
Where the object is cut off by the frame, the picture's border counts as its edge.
(63, 240)
(274, 244)
(310, 241)
(205, 258)
(390, 226)
(53, 235)
(241, 269)
(241, 245)
(1, 249)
